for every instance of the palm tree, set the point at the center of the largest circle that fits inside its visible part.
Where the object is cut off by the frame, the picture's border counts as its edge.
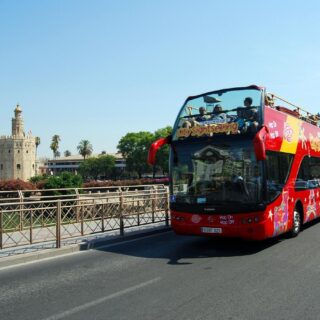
(85, 148)
(54, 146)
(37, 142)
(67, 153)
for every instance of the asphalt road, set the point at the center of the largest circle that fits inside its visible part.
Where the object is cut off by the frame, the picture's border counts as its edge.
(171, 277)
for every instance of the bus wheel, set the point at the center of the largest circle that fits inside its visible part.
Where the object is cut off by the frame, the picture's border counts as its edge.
(296, 228)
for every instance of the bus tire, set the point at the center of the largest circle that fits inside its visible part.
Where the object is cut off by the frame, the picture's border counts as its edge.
(297, 223)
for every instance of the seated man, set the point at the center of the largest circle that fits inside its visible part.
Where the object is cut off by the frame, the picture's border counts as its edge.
(247, 102)
(251, 116)
(247, 116)
(240, 120)
(203, 116)
(197, 119)
(218, 116)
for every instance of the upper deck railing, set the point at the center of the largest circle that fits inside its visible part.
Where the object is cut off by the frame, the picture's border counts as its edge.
(293, 109)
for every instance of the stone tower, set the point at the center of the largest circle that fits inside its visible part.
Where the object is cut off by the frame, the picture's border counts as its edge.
(17, 123)
(18, 151)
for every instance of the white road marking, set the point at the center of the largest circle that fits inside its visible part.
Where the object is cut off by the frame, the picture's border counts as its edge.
(101, 300)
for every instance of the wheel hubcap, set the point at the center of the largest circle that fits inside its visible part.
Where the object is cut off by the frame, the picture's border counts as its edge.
(296, 221)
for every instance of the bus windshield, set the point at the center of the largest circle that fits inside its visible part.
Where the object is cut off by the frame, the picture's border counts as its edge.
(233, 111)
(219, 174)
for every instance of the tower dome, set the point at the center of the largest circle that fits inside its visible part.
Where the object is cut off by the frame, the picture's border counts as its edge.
(17, 110)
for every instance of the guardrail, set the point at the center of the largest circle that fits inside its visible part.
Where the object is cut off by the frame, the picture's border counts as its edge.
(44, 194)
(30, 221)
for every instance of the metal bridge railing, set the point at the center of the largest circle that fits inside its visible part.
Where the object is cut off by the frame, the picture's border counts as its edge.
(29, 221)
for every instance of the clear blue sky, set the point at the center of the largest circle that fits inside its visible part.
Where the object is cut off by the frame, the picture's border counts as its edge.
(98, 69)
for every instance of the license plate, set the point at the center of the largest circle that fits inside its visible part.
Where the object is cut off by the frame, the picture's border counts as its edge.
(211, 230)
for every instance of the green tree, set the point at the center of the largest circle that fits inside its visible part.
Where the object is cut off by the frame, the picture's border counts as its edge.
(106, 165)
(89, 168)
(67, 153)
(54, 146)
(85, 148)
(134, 148)
(93, 168)
(162, 158)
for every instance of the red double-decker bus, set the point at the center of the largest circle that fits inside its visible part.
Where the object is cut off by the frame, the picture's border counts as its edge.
(243, 163)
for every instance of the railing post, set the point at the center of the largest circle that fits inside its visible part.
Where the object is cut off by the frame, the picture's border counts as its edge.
(153, 202)
(121, 214)
(77, 204)
(1, 229)
(82, 218)
(58, 224)
(20, 210)
(167, 206)
(102, 215)
(138, 215)
(138, 204)
(31, 225)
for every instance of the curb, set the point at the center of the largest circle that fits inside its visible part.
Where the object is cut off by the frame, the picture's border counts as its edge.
(95, 244)
(88, 245)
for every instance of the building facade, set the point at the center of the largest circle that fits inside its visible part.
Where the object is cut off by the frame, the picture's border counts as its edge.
(72, 163)
(18, 151)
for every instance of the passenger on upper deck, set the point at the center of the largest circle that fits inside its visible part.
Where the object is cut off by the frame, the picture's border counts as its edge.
(218, 116)
(297, 112)
(250, 114)
(203, 116)
(240, 120)
(269, 101)
(197, 119)
(247, 102)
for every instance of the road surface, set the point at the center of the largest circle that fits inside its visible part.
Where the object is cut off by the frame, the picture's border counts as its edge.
(166, 276)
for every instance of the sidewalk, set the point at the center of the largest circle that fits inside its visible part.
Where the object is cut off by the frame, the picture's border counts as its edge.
(28, 253)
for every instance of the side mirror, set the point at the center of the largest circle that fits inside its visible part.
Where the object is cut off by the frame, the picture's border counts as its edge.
(155, 147)
(259, 144)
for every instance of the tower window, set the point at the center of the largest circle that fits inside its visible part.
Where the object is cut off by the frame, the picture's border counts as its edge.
(9, 151)
(18, 166)
(1, 166)
(18, 151)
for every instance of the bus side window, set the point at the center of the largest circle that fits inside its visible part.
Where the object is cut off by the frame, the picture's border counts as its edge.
(278, 166)
(309, 174)
(303, 175)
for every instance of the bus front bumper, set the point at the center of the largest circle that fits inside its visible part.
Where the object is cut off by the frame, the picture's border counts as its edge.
(251, 226)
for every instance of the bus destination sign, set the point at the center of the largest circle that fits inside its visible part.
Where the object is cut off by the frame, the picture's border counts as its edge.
(208, 130)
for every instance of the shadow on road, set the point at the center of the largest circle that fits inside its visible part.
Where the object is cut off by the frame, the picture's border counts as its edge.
(208, 247)
(176, 248)
(311, 223)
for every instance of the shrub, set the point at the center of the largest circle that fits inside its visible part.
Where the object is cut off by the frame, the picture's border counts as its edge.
(37, 179)
(15, 184)
(64, 180)
(119, 183)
